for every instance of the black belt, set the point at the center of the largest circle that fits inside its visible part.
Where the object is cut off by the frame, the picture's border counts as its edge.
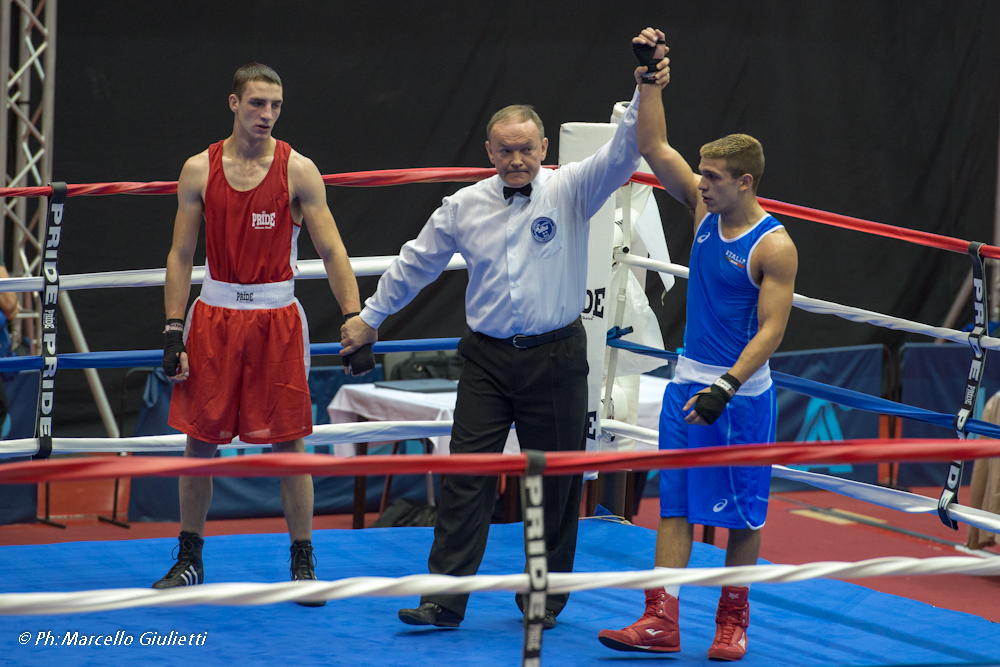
(521, 341)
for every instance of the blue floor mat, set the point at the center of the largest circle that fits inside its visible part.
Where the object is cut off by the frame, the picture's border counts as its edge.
(811, 623)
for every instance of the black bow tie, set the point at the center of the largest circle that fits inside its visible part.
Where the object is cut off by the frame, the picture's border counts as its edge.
(510, 192)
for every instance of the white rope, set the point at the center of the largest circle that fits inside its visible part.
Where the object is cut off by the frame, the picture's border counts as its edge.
(640, 433)
(326, 434)
(370, 266)
(902, 501)
(829, 308)
(310, 268)
(891, 498)
(422, 584)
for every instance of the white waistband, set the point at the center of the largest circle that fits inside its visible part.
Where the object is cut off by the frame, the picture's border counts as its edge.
(689, 371)
(248, 297)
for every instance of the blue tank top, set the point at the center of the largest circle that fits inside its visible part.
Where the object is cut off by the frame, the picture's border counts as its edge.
(721, 295)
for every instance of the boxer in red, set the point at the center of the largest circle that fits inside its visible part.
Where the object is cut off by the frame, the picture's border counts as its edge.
(241, 358)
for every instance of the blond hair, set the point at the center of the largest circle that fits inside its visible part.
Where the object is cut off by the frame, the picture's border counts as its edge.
(516, 113)
(743, 155)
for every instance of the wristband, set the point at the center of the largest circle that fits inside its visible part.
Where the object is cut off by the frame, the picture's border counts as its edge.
(173, 346)
(711, 404)
(350, 315)
(649, 76)
(729, 383)
(644, 54)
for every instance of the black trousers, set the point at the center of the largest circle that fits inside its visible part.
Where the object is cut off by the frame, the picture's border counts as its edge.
(543, 391)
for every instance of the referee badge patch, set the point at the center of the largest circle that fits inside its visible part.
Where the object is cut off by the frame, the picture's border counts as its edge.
(543, 229)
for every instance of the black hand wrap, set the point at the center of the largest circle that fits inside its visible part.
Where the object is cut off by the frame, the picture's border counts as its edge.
(711, 404)
(644, 54)
(173, 345)
(361, 360)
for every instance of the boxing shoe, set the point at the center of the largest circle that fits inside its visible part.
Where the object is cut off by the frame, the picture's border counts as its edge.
(303, 568)
(731, 620)
(188, 570)
(548, 621)
(656, 631)
(429, 613)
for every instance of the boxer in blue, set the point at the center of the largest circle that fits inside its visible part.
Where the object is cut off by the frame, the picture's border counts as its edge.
(743, 267)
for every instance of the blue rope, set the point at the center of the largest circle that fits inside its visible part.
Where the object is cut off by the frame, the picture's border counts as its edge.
(845, 397)
(130, 358)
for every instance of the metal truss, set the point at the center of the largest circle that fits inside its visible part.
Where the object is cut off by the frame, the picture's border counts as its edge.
(28, 61)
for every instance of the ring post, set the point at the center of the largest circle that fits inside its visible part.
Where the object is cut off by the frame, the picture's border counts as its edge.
(536, 556)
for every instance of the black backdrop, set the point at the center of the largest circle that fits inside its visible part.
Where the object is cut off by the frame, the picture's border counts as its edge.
(886, 111)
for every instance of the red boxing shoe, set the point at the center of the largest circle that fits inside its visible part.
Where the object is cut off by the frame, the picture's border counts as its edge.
(731, 620)
(655, 632)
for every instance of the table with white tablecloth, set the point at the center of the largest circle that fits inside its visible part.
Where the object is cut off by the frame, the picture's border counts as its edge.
(378, 403)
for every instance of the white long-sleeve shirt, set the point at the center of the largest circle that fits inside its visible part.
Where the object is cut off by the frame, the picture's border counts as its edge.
(527, 259)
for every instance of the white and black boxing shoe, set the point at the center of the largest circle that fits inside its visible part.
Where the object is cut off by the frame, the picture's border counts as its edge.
(188, 570)
(302, 569)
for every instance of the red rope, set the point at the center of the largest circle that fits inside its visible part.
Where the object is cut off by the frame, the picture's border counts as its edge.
(406, 176)
(558, 463)
(857, 224)
(471, 174)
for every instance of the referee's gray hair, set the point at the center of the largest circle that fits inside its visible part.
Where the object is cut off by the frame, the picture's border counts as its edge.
(516, 113)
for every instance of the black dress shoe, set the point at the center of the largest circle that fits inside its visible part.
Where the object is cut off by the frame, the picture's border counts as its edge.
(548, 621)
(429, 613)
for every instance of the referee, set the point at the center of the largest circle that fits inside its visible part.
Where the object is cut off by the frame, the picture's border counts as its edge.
(524, 235)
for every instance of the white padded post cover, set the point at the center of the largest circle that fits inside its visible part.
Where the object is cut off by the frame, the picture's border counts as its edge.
(576, 142)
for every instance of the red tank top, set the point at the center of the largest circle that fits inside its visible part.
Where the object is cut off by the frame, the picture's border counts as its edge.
(250, 237)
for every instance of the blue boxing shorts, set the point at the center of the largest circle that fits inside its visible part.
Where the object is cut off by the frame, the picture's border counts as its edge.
(733, 497)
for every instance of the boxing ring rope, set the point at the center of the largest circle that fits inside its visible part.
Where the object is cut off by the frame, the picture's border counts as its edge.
(394, 431)
(378, 431)
(822, 307)
(894, 499)
(128, 358)
(901, 501)
(308, 269)
(856, 451)
(386, 177)
(849, 398)
(845, 397)
(374, 266)
(371, 266)
(420, 584)
(324, 434)
(558, 463)
(847, 222)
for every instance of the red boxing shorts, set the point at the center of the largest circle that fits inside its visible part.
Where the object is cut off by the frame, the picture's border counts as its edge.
(248, 368)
